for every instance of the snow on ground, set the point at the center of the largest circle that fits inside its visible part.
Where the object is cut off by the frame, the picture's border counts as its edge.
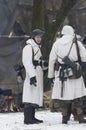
(52, 121)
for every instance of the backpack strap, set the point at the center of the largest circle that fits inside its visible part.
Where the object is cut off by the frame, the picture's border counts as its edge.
(35, 62)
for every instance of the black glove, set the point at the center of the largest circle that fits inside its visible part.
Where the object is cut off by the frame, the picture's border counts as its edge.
(33, 81)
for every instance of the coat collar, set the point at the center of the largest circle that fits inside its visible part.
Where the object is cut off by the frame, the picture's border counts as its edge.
(33, 43)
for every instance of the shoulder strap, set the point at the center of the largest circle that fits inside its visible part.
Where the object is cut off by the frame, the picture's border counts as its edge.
(70, 47)
(33, 51)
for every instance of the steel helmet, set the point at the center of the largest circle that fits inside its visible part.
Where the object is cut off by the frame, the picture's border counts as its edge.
(36, 32)
(67, 30)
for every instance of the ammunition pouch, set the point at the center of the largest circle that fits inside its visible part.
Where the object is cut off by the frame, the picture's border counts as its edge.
(77, 72)
(37, 63)
(42, 63)
(65, 73)
(73, 69)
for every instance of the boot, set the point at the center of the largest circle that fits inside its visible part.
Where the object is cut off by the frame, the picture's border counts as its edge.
(26, 113)
(81, 119)
(28, 116)
(35, 119)
(64, 120)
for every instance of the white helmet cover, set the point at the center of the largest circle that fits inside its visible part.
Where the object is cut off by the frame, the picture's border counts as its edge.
(67, 30)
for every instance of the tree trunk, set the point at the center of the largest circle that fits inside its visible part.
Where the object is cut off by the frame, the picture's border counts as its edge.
(38, 14)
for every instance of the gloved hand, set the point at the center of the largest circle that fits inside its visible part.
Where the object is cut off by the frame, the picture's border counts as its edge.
(33, 81)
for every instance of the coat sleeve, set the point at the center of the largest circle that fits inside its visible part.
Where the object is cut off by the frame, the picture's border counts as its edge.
(27, 57)
(52, 60)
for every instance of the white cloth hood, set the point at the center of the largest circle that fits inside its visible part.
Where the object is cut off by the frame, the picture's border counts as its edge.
(67, 30)
(66, 39)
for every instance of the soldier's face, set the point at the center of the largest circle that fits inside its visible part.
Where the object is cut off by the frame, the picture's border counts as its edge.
(38, 39)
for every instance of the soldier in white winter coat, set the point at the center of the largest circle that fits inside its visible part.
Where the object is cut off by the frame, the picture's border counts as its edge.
(33, 84)
(73, 89)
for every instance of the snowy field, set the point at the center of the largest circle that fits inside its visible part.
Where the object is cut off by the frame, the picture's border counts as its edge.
(52, 121)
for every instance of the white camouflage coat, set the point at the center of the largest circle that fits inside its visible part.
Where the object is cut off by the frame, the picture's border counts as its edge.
(73, 88)
(32, 94)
